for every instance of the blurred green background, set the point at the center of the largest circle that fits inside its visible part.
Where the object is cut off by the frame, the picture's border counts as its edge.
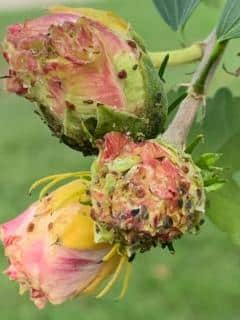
(201, 281)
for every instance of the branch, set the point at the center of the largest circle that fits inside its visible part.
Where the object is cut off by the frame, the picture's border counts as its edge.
(178, 130)
(180, 56)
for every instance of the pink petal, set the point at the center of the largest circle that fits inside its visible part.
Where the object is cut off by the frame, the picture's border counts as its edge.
(16, 227)
(90, 73)
(40, 264)
(37, 26)
(114, 144)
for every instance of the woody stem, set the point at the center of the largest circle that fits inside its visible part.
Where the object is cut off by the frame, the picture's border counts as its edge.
(178, 130)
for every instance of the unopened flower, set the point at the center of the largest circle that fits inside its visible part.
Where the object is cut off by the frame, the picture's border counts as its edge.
(145, 193)
(51, 248)
(89, 74)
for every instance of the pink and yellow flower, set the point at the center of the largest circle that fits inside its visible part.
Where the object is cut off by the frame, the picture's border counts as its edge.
(52, 250)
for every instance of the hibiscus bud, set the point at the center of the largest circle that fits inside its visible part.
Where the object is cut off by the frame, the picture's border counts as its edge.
(89, 74)
(145, 193)
(52, 251)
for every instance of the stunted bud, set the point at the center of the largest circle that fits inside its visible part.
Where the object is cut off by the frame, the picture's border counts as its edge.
(51, 248)
(89, 74)
(146, 193)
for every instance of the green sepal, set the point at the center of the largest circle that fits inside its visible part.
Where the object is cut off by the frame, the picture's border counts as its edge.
(140, 41)
(156, 109)
(78, 132)
(213, 176)
(102, 235)
(52, 122)
(156, 106)
(109, 120)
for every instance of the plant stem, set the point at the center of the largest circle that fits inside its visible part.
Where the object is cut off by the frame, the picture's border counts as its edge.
(202, 79)
(179, 128)
(180, 56)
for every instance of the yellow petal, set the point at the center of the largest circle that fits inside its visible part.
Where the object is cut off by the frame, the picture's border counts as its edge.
(107, 18)
(78, 231)
(74, 228)
(75, 191)
(107, 269)
(116, 274)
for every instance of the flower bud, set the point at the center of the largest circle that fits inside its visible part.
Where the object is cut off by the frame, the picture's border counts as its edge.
(52, 251)
(89, 74)
(145, 193)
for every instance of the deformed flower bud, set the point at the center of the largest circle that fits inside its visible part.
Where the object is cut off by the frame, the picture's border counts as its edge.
(52, 251)
(145, 193)
(89, 74)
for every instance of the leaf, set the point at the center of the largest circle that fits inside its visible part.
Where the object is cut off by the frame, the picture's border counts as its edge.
(236, 177)
(174, 97)
(221, 128)
(176, 12)
(208, 159)
(212, 3)
(224, 209)
(191, 147)
(222, 121)
(163, 66)
(215, 186)
(177, 102)
(213, 177)
(229, 24)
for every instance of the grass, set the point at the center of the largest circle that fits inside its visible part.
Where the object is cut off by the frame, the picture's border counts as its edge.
(200, 282)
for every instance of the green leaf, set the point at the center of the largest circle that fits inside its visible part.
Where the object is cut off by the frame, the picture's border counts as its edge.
(177, 102)
(236, 177)
(191, 147)
(163, 66)
(174, 97)
(213, 177)
(176, 12)
(212, 3)
(221, 123)
(224, 209)
(215, 186)
(229, 24)
(221, 128)
(208, 159)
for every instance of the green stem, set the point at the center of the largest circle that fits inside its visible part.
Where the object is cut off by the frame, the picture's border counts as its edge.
(200, 83)
(178, 129)
(180, 56)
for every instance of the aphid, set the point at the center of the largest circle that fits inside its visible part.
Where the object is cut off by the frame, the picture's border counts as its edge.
(135, 67)
(88, 101)
(30, 227)
(50, 226)
(122, 74)
(135, 212)
(70, 106)
(167, 222)
(132, 44)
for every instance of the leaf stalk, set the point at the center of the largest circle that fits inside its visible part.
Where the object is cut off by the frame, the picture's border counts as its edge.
(180, 56)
